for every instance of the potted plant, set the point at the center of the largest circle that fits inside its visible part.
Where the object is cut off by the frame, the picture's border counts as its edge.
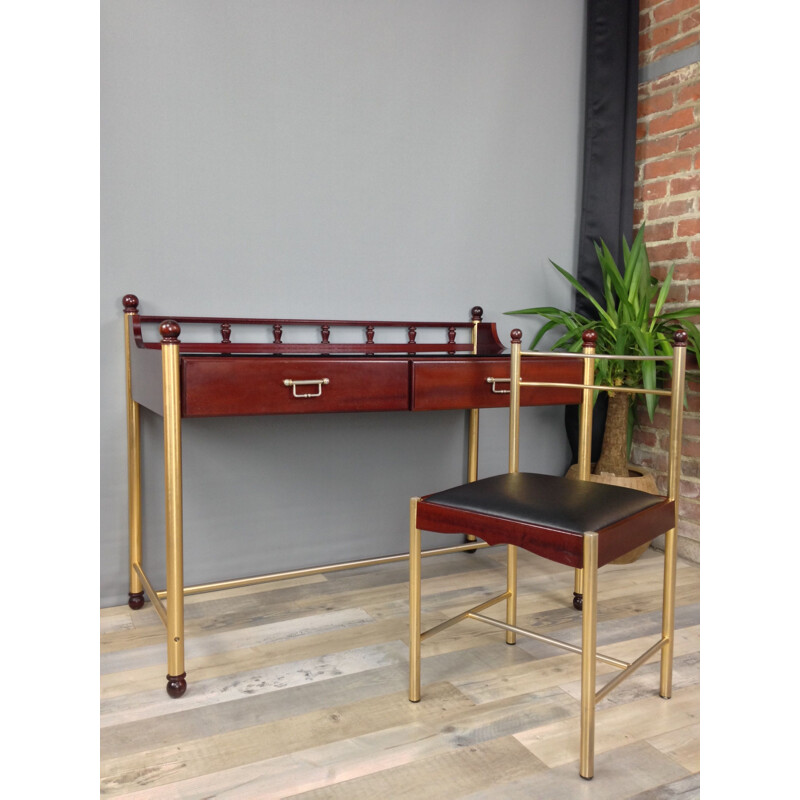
(631, 320)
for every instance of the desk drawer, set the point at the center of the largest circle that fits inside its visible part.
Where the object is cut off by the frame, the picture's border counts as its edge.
(223, 386)
(442, 384)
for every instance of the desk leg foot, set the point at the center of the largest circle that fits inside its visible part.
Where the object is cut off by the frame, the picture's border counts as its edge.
(577, 601)
(176, 685)
(135, 600)
(467, 540)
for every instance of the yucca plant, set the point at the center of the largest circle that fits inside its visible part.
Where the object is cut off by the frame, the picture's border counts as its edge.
(631, 321)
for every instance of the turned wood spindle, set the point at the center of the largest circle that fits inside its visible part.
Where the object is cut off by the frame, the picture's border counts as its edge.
(412, 337)
(277, 333)
(326, 334)
(225, 330)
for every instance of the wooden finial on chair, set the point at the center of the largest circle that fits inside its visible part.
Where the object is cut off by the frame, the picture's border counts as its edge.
(170, 331)
(516, 336)
(680, 338)
(130, 304)
(589, 339)
(477, 313)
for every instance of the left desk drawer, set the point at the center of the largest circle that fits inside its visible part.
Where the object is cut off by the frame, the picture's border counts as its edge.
(231, 385)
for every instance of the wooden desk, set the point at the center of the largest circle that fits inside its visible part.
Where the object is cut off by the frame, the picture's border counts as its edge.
(392, 366)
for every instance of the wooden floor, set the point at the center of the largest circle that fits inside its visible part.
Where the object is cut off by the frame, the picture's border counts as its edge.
(298, 689)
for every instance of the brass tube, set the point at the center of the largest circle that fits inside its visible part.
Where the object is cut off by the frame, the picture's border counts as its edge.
(610, 660)
(238, 583)
(414, 604)
(676, 424)
(472, 449)
(595, 356)
(600, 386)
(632, 667)
(469, 614)
(173, 492)
(134, 469)
(154, 599)
(585, 417)
(671, 537)
(472, 445)
(588, 654)
(513, 409)
(668, 612)
(511, 591)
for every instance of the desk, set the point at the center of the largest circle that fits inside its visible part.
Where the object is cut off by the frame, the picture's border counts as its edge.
(392, 366)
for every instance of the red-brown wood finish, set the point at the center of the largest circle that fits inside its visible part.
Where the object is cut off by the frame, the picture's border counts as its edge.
(218, 386)
(379, 337)
(146, 379)
(444, 383)
(555, 545)
(230, 378)
(559, 546)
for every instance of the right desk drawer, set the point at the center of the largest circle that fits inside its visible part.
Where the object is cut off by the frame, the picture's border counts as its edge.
(461, 383)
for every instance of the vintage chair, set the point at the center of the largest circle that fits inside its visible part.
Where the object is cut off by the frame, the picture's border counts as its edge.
(578, 523)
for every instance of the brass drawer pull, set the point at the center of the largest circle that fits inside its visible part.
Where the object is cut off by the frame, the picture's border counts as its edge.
(495, 390)
(318, 382)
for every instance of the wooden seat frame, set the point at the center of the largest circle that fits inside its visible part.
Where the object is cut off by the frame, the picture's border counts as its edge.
(586, 552)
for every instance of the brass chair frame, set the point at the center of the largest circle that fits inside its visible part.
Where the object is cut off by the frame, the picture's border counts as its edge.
(586, 573)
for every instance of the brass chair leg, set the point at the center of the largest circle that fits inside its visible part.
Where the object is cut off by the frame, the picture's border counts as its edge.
(511, 586)
(588, 654)
(414, 601)
(668, 612)
(135, 588)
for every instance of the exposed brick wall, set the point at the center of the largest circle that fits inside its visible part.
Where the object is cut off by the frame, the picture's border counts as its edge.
(667, 198)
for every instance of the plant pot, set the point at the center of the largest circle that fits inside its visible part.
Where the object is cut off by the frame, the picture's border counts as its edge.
(638, 478)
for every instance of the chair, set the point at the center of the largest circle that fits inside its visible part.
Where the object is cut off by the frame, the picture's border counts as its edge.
(578, 523)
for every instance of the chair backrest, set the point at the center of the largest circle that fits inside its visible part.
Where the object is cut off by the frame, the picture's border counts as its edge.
(675, 359)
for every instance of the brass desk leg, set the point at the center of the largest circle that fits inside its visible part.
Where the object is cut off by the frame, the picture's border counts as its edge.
(474, 414)
(135, 588)
(577, 590)
(414, 600)
(472, 456)
(472, 452)
(173, 493)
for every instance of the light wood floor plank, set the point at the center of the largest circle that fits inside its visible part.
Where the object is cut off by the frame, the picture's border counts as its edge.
(635, 770)
(297, 689)
(557, 743)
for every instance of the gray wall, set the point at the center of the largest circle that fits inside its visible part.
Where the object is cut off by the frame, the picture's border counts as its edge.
(396, 159)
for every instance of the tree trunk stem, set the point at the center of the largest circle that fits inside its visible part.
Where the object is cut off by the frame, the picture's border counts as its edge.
(614, 453)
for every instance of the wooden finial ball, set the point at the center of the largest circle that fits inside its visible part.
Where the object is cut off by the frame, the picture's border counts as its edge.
(680, 338)
(130, 303)
(516, 336)
(170, 330)
(477, 313)
(589, 338)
